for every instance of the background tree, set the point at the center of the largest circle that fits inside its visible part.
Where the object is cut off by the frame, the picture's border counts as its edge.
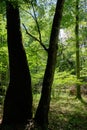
(77, 49)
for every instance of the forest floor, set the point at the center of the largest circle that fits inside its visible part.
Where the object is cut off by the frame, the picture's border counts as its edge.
(66, 113)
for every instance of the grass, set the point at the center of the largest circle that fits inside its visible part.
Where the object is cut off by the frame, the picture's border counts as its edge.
(66, 113)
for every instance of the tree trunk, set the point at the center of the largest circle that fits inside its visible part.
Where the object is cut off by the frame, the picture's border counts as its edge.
(41, 117)
(77, 50)
(18, 100)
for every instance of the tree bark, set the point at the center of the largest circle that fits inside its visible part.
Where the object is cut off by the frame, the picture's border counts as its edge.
(77, 50)
(41, 116)
(18, 100)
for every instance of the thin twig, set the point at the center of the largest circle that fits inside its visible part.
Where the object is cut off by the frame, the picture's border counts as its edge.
(36, 22)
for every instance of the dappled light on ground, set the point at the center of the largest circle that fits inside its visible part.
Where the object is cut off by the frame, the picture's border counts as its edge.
(67, 113)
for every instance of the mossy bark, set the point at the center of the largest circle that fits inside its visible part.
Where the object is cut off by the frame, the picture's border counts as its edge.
(77, 50)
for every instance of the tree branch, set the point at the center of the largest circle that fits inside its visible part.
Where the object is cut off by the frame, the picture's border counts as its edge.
(36, 21)
(35, 38)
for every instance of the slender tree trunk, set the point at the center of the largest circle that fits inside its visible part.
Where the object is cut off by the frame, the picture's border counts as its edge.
(41, 117)
(18, 100)
(77, 49)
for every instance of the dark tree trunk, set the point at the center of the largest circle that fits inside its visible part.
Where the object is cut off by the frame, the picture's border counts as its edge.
(41, 117)
(18, 100)
(77, 50)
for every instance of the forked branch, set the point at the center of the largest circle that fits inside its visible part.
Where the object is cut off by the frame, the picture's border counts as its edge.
(35, 38)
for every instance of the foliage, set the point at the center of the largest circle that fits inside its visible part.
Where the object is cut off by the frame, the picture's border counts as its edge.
(64, 79)
(36, 55)
(3, 58)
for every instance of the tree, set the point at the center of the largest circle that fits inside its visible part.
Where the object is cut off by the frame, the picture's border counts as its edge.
(41, 116)
(18, 100)
(77, 49)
